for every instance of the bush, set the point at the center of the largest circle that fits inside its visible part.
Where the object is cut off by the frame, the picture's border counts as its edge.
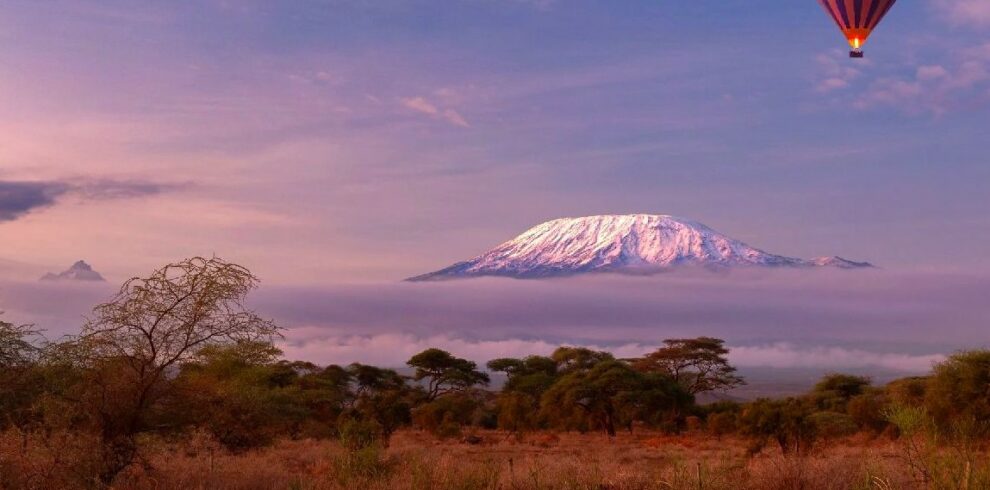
(356, 434)
(957, 390)
(831, 425)
(442, 414)
(354, 467)
(867, 410)
(722, 423)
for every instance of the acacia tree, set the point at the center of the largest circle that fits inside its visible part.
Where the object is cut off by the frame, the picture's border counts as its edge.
(445, 373)
(132, 343)
(699, 365)
(381, 396)
(519, 400)
(594, 396)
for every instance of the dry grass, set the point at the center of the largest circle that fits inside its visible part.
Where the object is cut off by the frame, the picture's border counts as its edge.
(418, 461)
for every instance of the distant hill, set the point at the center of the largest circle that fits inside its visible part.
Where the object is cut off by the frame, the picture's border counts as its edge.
(80, 271)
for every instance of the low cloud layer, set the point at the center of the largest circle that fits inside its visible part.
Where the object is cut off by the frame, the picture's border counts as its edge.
(391, 349)
(780, 319)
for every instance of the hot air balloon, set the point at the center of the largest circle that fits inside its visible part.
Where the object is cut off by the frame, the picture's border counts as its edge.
(857, 19)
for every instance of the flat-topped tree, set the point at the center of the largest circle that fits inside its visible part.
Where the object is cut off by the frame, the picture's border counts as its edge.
(445, 373)
(700, 365)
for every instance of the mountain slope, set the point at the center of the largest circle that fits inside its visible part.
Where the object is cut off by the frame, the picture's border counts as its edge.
(80, 271)
(633, 244)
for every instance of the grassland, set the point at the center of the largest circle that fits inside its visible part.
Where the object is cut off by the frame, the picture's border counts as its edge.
(496, 460)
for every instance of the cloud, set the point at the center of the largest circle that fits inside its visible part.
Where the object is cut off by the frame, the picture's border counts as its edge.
(971, 12)
(104, 189)
(802, 319)
(788, 355)
(423, 106)
(391, 349)
(963, 82)
(18, 198)
(835, 74)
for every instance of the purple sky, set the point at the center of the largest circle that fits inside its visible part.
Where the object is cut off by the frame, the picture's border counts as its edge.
(339, 145)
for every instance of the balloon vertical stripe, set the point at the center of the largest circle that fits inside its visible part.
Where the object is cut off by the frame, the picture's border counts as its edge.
(874, 7)
(851, 12)
(862, 12)
(832, 12)
(857, 18)
(885, 7)
(841, 7)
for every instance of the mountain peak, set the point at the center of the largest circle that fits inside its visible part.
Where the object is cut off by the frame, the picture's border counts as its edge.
(80, 271)
(631, 244)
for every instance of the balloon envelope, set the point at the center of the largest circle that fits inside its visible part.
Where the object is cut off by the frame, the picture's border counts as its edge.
(857, 18)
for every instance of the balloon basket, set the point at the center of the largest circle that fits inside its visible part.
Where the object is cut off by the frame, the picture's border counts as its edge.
(855, 54)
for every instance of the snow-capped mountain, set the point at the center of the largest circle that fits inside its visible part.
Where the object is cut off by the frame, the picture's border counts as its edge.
(632, 244)
(80, 271)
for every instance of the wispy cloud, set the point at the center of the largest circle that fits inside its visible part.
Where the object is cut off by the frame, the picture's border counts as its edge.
(424, 106)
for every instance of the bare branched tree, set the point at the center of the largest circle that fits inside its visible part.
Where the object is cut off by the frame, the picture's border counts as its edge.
(16, 346)
(133, 344)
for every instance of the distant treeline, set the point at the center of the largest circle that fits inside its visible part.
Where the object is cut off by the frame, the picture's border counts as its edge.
(178, 352)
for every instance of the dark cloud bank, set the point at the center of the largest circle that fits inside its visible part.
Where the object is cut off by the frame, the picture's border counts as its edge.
(834, 319)
(18, 198)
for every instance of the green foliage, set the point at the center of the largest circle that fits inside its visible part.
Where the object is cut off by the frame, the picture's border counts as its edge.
(357, 468)
(445, 373)
(569, 359)
(831, 425)
(835, 390)
(606, 394)
(239, 393)
(959, 389)
(699, 365)
(446, 415)
(788, 422)
(722, 423)
(867, 410)
(380, 395)
(21, 379)
(357, 434)
(907, 391)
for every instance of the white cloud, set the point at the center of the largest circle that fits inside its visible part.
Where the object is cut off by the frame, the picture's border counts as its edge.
(971, 12)
(831, 84)
(786, 355)
(424, 106)
(455, 118)
(933, 72)
(934, 89)
(420, 104)
(835, 74)
(392, 349)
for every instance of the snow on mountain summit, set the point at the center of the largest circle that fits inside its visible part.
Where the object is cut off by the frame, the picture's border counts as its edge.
(639, 243)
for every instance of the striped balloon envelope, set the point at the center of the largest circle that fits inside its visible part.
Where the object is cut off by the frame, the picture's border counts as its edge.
(857, 19)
